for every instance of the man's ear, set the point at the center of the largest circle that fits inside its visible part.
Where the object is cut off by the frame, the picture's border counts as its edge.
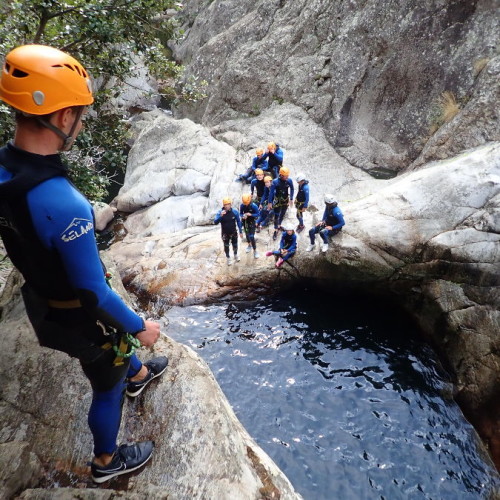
(62, 118)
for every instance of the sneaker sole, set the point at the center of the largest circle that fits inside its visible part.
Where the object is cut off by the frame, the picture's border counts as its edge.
(136, 393)
(119, 473)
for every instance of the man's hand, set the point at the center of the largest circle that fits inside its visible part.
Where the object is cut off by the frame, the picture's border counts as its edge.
(290, 203)
(150, 335)
(329, 228)
(269, 206)
(223, 212)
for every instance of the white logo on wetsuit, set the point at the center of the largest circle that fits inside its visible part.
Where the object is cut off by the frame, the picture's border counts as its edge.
(77, 228)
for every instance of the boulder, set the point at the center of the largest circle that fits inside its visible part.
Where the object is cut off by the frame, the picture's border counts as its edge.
(202, 450)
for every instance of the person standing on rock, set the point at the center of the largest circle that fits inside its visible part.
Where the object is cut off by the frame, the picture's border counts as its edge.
(264, 212)
(259, 161)
(47, 227)
(249, 213)
(275, 155)
(257, 186)
(280, 196)
(230, 224)
(331, 223)
(301, 200)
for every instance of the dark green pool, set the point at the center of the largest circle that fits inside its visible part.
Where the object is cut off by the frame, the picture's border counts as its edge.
(342, 394)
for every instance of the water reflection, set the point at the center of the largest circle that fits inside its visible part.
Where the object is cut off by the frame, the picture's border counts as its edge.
(342, 395)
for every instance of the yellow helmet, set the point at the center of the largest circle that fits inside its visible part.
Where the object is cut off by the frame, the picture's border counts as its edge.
(39, 80)
(259, 151)
(226, 201)
(268, 178)
(271, 145)
(246, 198)
(284, 171)
(259, 171)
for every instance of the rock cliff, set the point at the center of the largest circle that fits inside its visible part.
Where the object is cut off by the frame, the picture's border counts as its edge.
(370, 74)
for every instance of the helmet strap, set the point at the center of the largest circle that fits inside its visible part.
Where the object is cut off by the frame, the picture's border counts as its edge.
(68, 139)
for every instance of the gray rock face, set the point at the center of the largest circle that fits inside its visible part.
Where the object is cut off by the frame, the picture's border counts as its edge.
(202, 451)
(370, 74)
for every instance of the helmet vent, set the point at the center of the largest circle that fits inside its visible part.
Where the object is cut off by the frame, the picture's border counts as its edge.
(7, 67)
(17, 73)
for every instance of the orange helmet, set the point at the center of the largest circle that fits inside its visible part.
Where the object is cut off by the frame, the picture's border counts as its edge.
(259, 171)
(227, 201)
(39, 80)
(268, 178)
(284, 171)
(259, 151)
(271, 145)
(246, 198)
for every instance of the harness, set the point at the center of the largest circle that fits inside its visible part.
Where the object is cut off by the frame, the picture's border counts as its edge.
(281, 194)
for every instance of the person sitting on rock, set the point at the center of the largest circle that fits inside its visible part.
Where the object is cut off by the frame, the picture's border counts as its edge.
(275, 155)
(249, 213)
(259, 161)
(48, 231)
(280, 197)
(263, 219)
(288, 246)
(257, 186)
(331, 223)
(301, 200)
(230, 224)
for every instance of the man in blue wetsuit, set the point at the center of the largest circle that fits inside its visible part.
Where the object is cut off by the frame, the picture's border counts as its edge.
(280, 196)
(301, 200)
(249, 213)
(47, 227)
(259, 161)
(288, 246)
(230, 225)
(331, 223)
(274, 156)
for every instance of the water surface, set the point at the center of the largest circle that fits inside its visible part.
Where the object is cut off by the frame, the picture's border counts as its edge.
(342, 394)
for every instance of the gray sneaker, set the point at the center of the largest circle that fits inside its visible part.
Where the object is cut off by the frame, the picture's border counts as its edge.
(229, 261)
(236, 257)
(256, 254)
(126, 458)
(324, 247)
(249, 248)
(310, 248)
(156, 367)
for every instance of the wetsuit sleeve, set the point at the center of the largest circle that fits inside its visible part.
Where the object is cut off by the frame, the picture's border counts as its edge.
(293, 246)
(264, 165)
(265, 196)
(279, 155)
(238, 220)
(325, 215)
(255, 210)
(218, 217)
(340, 216)
(290, 183)
(63, 219)
(272, 189)
(255, 163)
(306, 195)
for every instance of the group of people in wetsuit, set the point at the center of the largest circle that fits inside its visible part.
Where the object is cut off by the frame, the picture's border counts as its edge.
(271, 193)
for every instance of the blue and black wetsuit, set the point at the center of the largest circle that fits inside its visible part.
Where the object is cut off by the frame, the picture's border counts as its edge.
(258, 187)
(302, 201)
(257, 162)
(280, 193)
(47, 227)
(288, 242)
(230, 224)
(264, 212)
(275, 161)
(332, 216)
(249, 214)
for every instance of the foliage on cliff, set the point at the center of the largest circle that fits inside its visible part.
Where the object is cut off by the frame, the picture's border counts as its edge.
(105, 35)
